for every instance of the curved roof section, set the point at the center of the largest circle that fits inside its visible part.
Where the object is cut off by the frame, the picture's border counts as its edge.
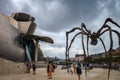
(41, 38)
(22, 17)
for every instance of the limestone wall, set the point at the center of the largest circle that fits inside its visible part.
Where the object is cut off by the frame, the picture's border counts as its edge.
(9, 67)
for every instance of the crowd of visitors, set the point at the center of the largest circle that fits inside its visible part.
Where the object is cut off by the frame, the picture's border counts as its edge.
(75, 68)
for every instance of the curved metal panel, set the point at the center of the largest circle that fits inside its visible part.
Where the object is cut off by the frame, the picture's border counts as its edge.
(9, 40)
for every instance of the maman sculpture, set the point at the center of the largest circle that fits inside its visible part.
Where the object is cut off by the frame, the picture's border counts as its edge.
(94, 36)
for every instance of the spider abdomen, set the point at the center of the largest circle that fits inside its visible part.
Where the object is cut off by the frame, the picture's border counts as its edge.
(93, 41)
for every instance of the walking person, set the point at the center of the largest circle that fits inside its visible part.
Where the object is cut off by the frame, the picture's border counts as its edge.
(50, 71)
(71, 68)
(79, 71)
(54, 66)
(34, 69)
(28, 65)
(75, 66)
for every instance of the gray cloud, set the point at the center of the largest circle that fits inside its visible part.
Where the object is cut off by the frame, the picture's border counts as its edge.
(6, 7)
(56, 15)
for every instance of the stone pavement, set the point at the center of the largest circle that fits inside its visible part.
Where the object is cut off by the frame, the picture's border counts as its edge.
(61, 74)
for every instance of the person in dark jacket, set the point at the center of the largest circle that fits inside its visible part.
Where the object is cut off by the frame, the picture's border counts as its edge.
(34, 69)
(79, 70)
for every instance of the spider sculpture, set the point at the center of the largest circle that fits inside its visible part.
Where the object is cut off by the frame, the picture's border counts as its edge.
(94, 39)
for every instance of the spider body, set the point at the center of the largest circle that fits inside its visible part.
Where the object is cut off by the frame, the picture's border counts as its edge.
(94, 36)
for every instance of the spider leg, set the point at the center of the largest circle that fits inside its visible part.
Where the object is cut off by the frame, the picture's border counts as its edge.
(87, 46)
(116, 32)
(67, 34)
(83, 33)
(110, 20)
(66, 52)
(88, 35)
(83, 46)
(72, 30)
(111, 46)
(106, 21)
(83, 26)
(104, 49)
(73, 40)
(110, 52)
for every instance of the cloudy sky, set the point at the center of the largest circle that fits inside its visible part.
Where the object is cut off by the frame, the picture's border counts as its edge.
(55, 17)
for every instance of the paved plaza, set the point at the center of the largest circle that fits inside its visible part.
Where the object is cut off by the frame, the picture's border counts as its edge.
(61, 74)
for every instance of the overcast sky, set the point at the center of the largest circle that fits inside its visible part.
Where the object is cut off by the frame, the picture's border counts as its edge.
(55, 17)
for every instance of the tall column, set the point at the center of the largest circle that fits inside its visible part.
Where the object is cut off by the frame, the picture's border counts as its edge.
(36, 50)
